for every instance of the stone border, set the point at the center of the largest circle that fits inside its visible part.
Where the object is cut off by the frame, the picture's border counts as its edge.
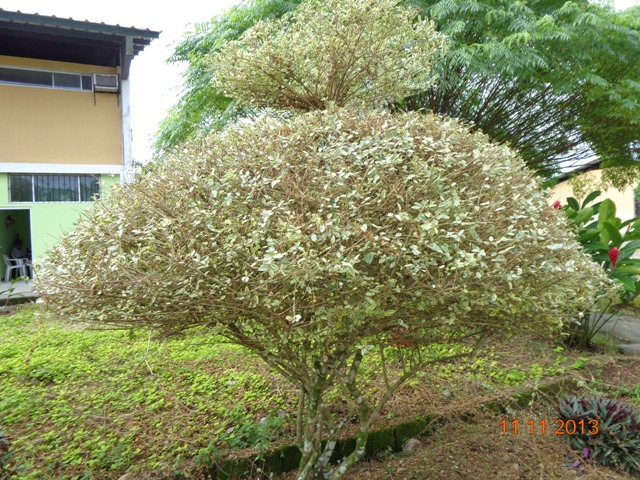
(288, 457)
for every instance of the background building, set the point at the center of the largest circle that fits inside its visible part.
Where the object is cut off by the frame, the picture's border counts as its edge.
(626, 200)
(65, 133)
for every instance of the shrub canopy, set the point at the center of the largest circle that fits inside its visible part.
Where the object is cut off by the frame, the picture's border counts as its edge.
(330, 52)
(330, 227)
(555, 80)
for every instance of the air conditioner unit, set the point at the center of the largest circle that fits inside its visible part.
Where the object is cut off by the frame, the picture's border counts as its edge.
(105, 83)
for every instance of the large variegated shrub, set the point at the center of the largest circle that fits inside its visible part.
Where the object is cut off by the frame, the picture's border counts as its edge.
(307, 239)
(315, 238)
(324, 216)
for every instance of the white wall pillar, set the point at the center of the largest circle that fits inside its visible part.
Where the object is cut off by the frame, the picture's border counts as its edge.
(127, 135)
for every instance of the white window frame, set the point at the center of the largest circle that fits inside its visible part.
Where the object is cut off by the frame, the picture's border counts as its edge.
(53, 86)
(33, 187)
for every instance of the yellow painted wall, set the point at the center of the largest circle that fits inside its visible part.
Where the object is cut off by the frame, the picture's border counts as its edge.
(624, 199)
(44, 125)
(54, 66)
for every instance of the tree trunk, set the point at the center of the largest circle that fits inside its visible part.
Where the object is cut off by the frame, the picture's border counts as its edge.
(312, 430)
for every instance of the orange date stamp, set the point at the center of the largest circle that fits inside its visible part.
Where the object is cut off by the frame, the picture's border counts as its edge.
(559, 427)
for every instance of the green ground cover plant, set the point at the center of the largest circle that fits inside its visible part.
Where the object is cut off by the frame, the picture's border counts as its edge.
(81, 403)
(5, 457)
(89, 404)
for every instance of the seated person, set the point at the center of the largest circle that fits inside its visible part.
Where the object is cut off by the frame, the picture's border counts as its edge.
(18, 252)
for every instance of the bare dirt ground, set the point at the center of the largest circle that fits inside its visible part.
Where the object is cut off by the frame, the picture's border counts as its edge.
(476, 449)
(473, 446)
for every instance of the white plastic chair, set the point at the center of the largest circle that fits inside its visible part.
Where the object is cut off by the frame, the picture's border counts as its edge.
(28, 267)
(13, 264)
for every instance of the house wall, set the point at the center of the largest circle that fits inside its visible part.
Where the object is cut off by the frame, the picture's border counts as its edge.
(53, 126)
(40, 223)
(48, 130)
(624, 199)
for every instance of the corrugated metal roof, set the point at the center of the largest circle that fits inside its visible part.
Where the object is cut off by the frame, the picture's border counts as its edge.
(31, 35)
(72, 24)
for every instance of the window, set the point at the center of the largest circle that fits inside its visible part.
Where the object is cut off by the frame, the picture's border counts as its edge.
(66, 80)
(53, 188)
(39, 78)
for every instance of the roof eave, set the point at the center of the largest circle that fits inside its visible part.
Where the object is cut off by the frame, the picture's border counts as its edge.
(56, 35)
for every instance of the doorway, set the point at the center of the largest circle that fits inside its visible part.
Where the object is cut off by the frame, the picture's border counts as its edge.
(15, 224)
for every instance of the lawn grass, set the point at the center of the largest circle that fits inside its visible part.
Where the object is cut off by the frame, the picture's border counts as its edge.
(88, 404)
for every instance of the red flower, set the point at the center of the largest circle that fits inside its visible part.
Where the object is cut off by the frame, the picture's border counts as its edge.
(613, 256)
(557, 205)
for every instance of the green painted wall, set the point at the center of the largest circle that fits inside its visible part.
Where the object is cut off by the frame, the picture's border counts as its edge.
(39, 225)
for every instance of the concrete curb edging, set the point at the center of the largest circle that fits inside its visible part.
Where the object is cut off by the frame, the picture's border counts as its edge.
(286, 458)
